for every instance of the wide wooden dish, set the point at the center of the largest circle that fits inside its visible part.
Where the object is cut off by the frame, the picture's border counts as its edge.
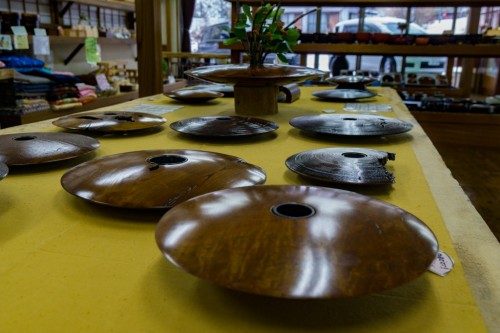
(350, 125)
(194, 96)
(351, 81)
(110, 121)
(352, 166)
(296, 241)
(224, 126)
(255, 90)
(344, 95)
(157, 179)
(38, 148)
(226, 89)
(4, 171)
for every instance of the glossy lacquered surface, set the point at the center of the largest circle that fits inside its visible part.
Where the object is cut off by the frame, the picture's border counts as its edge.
(351, 125)
(351, 81)
(240, 73)
(339, 244)
(226, 89)
(4, 170)
(344, 94)
(194, 96)
(158, 179)
(110, 121)
(353, 166)
(37, 148)
(224, 126)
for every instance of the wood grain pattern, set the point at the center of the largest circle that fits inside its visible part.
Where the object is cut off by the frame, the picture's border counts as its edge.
(157, 179)
(110, 121)
(296, 241)
(224, 126)
(38, 148)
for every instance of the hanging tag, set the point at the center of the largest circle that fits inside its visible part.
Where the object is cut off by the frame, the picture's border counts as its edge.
(19, 30)
(442, 264)
(41, 45)
(92, 54)
(21, 42)
(5, 42)
(40, 32)
(102, 82)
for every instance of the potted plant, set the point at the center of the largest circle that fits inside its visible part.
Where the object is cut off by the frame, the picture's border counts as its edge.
(261, 32)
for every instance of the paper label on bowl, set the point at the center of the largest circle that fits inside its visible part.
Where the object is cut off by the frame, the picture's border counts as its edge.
(442, 264)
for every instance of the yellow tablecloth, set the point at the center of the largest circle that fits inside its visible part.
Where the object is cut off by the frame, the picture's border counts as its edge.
(68, 265)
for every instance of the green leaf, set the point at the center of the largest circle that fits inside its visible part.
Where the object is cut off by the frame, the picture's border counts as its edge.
(231, 41)
(248, 12)
(282, 57)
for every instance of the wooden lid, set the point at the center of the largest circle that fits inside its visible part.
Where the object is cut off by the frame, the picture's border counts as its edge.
(351, 125)
(110, 121)
(4, 171)
(241, 74)
(296, 241)
(224, 126)
(157, 179)
(38, 148)
(340, 94)
(194, 96)
(353, 166)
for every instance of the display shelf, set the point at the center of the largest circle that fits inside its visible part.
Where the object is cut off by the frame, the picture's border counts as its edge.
(372, 3)
(114, 4)
(459, 50)
(15, 120)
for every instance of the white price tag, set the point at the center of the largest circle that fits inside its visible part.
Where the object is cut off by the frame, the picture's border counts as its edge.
(442, 264)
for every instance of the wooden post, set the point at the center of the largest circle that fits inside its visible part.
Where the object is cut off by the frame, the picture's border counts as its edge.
(148, 13)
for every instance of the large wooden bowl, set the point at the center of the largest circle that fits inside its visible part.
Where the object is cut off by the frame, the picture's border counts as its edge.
(110, 121)
(38, 148)
(352, 166)
(157, 179)
(296, 241)
(224, 126)
(242, 74)
(350, 125)
(4, 171)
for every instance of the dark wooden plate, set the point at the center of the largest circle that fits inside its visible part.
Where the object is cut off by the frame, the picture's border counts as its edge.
(354, 166)
(344, 94)
(226, 89)
(38, 148)
(296, 241)
(351, 125)
(224, 126)
(351, 81)
(157, 179)
(4, 170)
(194, 96)
(110, 121)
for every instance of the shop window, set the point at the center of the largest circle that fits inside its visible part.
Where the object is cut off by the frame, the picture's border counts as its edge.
(211, 21)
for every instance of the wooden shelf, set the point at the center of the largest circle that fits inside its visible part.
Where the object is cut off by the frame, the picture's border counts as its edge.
(15, 120)
(114, 4)
(375, 3)
(459, 50)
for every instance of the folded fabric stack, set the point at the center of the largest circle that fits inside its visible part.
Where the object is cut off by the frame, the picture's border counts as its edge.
(87, 93)
(63, 97)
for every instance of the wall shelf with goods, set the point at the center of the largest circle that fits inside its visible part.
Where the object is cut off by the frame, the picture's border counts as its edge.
(465, 53)
(67, 24)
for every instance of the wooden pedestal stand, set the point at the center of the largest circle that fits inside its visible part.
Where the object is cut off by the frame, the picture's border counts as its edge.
(255, 100)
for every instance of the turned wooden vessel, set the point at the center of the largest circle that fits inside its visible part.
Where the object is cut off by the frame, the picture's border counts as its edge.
(4, 171)
(255, 90)
(157, 179)
(344, 95)
(296, 241)
(37, 148)
(110, 121)
(194, 96)
(352, 166)
(350, 125)
(224, 126)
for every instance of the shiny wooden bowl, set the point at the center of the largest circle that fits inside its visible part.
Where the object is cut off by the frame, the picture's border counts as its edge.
(110, 121)
(38, 148)
(157, 179)
(224, 126)
(4, 171)
(296, 241)
(350, 125)
(352, 166)
(194, 96)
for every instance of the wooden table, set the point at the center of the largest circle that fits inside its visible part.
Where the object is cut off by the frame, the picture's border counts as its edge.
(67, 265)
